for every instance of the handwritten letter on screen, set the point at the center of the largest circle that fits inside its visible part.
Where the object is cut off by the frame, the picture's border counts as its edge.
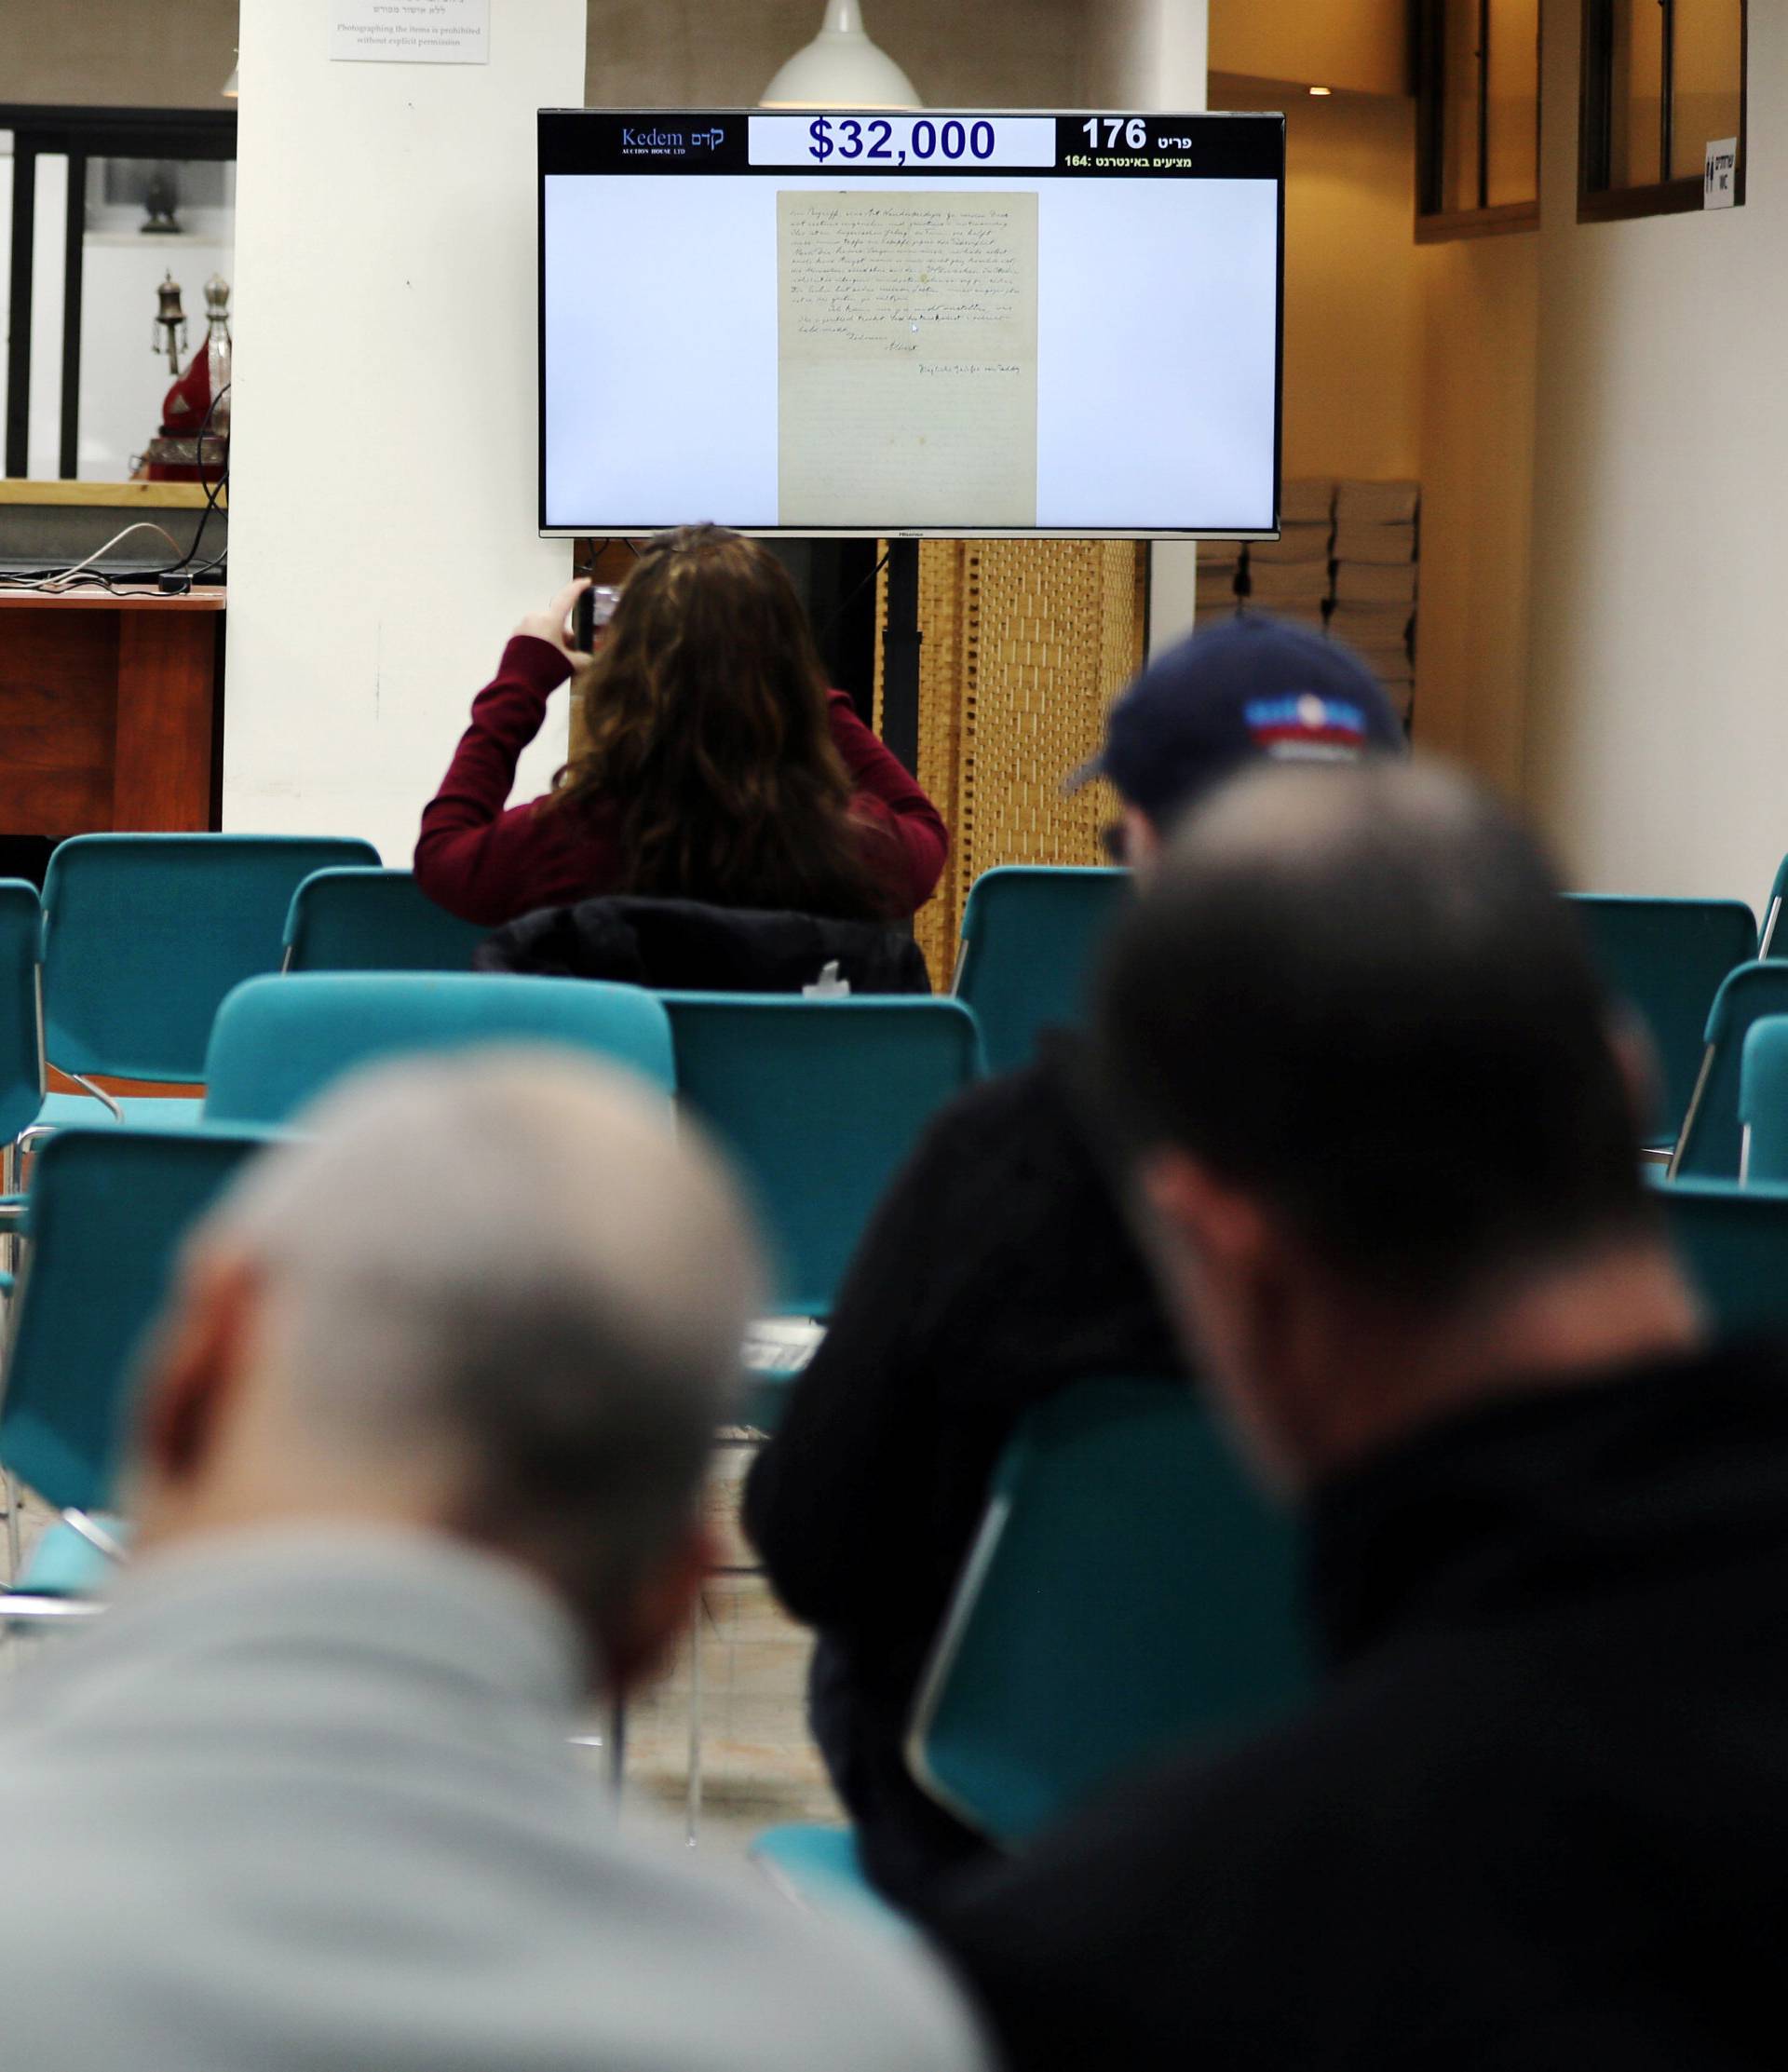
(907, 359)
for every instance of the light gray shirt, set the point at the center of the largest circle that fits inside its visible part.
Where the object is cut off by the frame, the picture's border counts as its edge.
(307, 1802)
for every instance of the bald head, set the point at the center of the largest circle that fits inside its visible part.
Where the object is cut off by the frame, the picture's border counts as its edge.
(1358, 995)
(500, 1293)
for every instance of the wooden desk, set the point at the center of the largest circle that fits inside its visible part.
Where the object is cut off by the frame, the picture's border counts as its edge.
(109, 712)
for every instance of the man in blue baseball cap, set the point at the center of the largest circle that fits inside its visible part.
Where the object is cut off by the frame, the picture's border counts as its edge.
(1250, 688)
(1000, 1268)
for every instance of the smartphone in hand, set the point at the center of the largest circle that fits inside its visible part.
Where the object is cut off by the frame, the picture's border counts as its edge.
(593, 611)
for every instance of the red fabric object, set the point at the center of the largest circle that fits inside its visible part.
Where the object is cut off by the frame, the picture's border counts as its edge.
(489, 861)
(183, 407)
(183, 411)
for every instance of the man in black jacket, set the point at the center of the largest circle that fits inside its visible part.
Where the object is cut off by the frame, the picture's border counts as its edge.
(999, 1270)
(1537, 1816)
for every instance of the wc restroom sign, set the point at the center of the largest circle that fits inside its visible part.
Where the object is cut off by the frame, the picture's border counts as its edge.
(1719, 187)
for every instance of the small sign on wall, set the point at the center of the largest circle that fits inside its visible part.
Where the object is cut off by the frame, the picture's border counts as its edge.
(411, 32)
(1719, 183)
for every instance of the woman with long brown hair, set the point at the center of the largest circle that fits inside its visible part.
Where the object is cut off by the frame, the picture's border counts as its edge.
(718, 767)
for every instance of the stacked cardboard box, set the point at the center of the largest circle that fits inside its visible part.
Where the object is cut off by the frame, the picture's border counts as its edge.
(1289, 577)
(1376, 574)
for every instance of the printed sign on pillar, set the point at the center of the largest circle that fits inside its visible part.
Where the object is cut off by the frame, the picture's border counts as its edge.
(1719, 183)
(411, 32)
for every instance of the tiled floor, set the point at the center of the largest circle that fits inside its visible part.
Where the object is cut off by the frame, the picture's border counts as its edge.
(757, 1766)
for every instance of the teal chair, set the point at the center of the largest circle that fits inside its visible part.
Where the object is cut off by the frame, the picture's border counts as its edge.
(1030, 937)
(1131, 1593)
(1763, 1101)
(1733, 1241)
(820, 1101)
(819, 1869)
(1666, 959)
(370, 920)
(1710, 1146)
(279, 1042)
(106, 1212)
(21, 1043)
(21, 1071)
(1773, 941)
(143, 935)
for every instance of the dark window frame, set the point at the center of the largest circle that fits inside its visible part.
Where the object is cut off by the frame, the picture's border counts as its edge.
(1435, 223)
(1597, 200)
(78, 134)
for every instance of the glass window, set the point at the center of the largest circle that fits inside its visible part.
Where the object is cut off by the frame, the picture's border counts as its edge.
(1708, 75)
(101, 210)
(1512, 104)
(1662, 79)
(148, 220)
(1479, 85)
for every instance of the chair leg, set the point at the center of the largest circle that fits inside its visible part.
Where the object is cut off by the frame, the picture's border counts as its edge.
(617, 1747)
(11, 1491)
(692, 1813)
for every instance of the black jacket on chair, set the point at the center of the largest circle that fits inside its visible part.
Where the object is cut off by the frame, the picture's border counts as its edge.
(683, 946)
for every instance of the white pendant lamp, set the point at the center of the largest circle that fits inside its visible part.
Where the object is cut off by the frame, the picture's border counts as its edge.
(229, 89)
(841, 68)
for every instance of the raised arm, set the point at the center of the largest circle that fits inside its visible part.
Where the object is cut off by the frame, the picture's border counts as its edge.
(467, 853)
(889, 795)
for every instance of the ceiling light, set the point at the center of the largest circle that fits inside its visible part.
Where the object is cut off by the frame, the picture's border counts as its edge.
(229, 89)
(1322, 91)
(841, 68)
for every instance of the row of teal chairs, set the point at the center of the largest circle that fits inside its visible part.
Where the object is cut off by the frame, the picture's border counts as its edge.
(780, 1082)
(818, 1101)
(1689, 969)
(120, 969)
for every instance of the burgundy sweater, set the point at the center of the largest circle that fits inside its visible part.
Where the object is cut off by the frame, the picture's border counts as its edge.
(487, 860)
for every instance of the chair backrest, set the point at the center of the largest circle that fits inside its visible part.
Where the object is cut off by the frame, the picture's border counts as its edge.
(1710, 1143)
(22, 1040)
(106, 1214)
(279, 1042)
(1734, 1242)
(818, 1102)
(1030, 936)
(1773, 939)
(1131, 1593)
(1666, 959)
(370, 920)
(144, 934)
(1763, 1100)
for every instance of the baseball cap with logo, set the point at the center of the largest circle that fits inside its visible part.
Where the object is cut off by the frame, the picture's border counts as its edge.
(1251, 687)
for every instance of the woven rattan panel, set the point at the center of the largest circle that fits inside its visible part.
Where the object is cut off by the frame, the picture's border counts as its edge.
(1026, 641)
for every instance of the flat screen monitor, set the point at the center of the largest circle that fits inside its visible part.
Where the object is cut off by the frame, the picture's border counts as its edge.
(977, 325)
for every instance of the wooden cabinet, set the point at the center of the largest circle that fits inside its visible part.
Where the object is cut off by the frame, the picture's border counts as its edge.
(110, 712)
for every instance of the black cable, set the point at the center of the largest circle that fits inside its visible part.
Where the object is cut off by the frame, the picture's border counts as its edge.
(825, 632)
(213, 491)
(109, 580)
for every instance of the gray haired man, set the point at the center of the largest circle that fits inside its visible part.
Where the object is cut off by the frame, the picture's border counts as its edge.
(417, 1463)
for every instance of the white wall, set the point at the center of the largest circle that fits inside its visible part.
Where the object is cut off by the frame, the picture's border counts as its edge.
(1153, 54)
(1657, 727)
(1479, 300)
(1352, 306)
(383, 468)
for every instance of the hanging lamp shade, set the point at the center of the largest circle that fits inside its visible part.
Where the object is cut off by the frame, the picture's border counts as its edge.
(841, 68)
(229, 89)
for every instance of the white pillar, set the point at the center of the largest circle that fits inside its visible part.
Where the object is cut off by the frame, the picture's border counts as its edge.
(383, 474)
(1163, 63)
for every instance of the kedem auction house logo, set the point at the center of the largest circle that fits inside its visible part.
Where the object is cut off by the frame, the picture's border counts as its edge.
(655, 143)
